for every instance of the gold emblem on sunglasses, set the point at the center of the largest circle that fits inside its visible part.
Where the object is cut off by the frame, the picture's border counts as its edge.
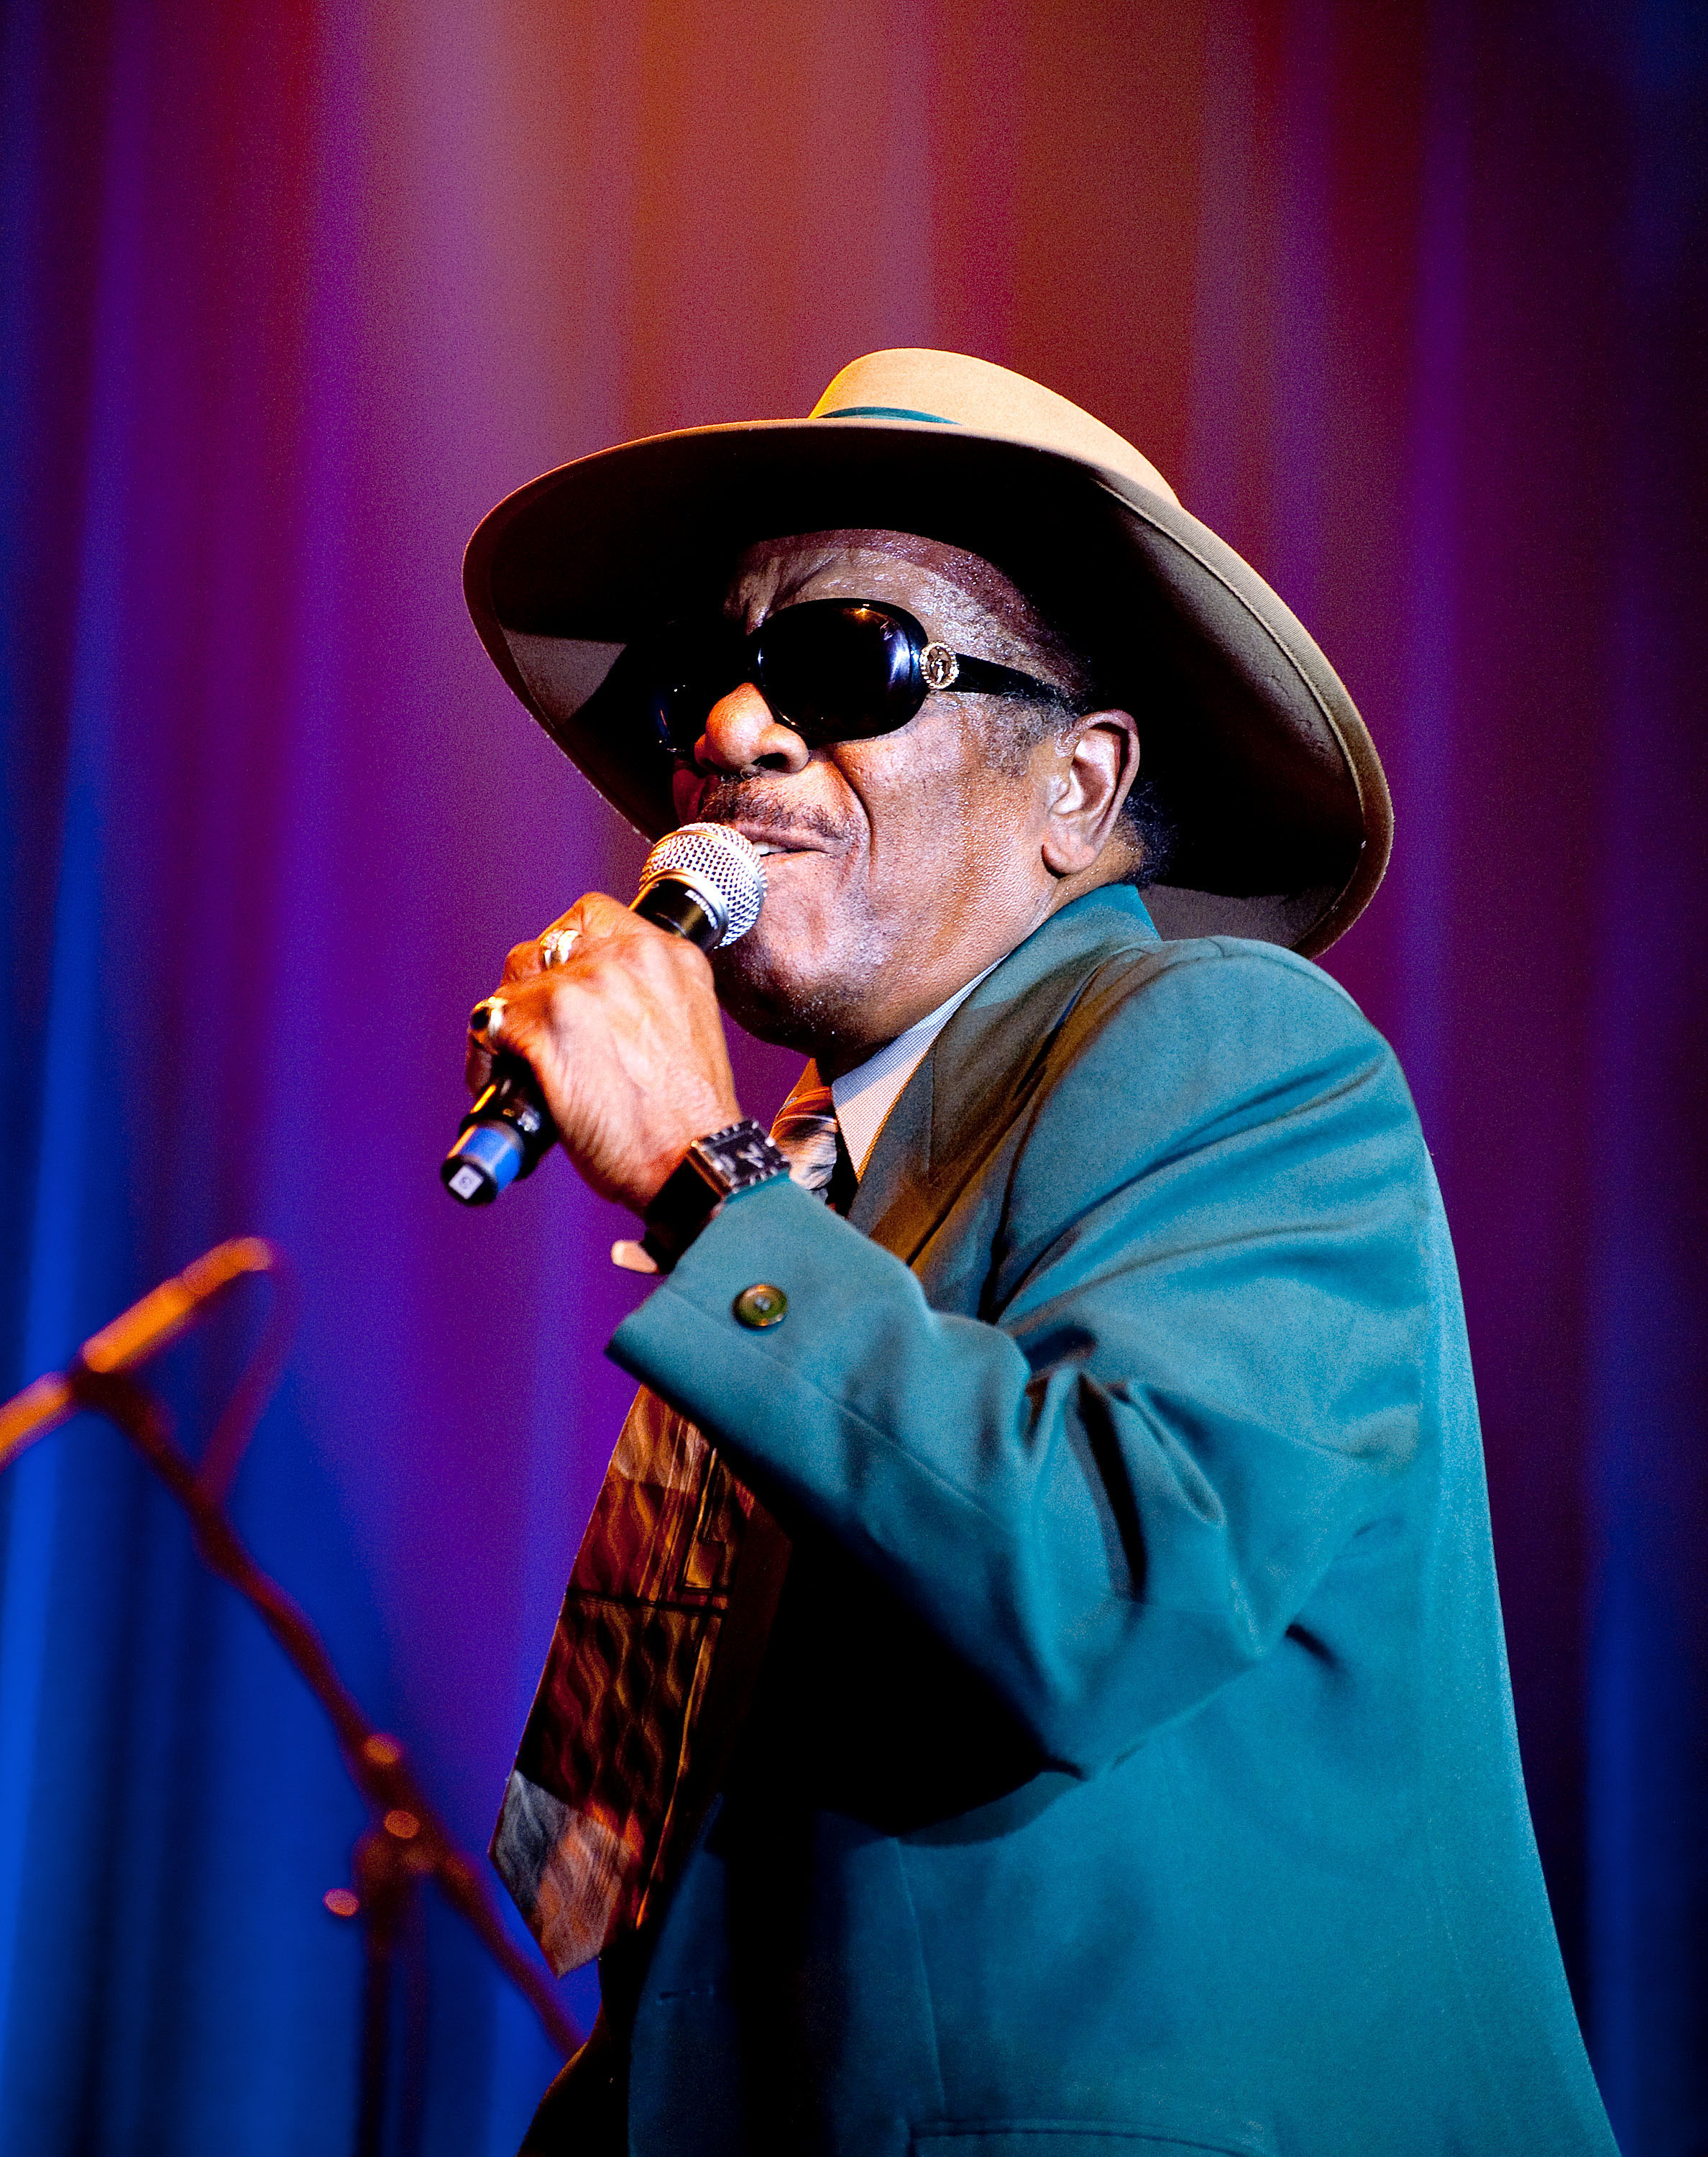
(939, 666)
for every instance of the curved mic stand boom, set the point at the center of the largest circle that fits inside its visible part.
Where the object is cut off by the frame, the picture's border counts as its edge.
(406, 1842)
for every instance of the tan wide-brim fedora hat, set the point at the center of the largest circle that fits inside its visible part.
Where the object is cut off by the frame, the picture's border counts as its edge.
(1281, 809)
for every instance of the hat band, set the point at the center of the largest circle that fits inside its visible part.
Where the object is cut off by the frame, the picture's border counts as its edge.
(883, 412)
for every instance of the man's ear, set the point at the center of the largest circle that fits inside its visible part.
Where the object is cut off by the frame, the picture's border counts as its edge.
(1092, 766)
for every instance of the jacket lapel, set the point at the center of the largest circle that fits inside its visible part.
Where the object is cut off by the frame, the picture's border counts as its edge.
(984, 1066)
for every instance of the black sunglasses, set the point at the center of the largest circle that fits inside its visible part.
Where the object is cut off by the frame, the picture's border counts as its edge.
(832, 670)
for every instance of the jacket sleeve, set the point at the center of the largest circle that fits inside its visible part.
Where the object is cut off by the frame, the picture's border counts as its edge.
(1196, 1375)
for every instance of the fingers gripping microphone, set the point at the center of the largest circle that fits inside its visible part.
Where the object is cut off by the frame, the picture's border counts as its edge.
(703, 881)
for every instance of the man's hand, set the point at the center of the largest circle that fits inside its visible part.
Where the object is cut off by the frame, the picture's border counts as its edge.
(626, 1041)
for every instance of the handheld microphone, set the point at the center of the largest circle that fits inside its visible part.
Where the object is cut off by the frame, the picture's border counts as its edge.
(703, 881)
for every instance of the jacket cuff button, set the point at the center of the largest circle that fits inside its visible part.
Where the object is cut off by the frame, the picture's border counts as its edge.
(760, 1306)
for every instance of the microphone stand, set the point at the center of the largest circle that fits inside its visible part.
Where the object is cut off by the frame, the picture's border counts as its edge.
(406, 1842)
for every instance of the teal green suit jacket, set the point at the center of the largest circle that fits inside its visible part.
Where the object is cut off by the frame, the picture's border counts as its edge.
(1133, 1766)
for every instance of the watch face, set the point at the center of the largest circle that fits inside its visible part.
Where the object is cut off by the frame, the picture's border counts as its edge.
(740, 1155)
(716, 1168)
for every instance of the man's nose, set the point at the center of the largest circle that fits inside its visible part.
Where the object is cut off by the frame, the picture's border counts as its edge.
(742, 735)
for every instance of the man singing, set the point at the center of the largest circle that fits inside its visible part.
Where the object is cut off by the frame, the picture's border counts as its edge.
(1034, 1679)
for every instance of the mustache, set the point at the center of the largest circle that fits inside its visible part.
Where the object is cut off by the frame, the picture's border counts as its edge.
(731, 801)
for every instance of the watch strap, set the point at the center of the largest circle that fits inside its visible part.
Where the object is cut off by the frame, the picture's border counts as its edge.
(715, 1167)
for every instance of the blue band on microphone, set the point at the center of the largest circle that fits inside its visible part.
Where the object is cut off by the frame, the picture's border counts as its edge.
(485, 1161)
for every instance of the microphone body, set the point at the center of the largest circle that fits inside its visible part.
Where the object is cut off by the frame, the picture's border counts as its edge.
(703, 881)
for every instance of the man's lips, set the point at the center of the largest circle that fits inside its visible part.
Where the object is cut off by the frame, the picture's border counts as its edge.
(771, 842)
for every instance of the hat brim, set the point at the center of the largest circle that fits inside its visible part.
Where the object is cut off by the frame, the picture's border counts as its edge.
(1278, 795)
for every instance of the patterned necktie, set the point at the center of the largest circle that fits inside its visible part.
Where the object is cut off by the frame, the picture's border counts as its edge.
(805, 1131)
(655, 1655)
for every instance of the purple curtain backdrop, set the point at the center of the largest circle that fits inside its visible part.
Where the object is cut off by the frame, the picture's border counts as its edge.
(1409, 300)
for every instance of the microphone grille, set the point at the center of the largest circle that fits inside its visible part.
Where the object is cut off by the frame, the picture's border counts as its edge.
(711, 858)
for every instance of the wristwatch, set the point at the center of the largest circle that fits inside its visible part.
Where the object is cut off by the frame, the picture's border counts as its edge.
(715, 1169)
